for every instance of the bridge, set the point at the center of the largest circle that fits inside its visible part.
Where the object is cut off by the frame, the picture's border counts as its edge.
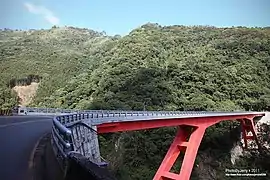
(76, 132)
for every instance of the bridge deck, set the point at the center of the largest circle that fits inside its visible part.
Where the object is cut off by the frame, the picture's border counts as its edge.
(109, 118)
(128, 123)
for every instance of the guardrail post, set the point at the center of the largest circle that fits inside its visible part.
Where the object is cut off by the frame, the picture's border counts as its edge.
(68, 118)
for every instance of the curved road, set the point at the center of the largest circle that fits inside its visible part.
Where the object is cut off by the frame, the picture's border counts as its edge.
(18, 137)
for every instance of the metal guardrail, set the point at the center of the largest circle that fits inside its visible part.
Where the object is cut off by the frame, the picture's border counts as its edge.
(118, 113)
(105, 112)
(69, 134)
(62, 137)
(61, 142)
(30, 110)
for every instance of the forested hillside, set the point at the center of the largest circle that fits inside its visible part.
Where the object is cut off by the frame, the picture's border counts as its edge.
(152, 68)
(175, 68)
(53, 55)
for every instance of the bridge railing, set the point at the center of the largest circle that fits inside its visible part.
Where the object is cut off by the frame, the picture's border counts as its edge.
(61, 142)
(108, 113)
(70, 134)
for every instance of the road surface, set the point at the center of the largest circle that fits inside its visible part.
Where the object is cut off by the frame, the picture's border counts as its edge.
(18, 137)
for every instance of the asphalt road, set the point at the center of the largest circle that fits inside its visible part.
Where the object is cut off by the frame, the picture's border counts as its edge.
(18, 137)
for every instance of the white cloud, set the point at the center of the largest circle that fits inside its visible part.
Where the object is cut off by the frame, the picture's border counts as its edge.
(52, 19)
(43, 11)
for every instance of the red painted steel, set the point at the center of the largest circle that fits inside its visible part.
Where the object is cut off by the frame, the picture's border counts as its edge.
(248, 126)
(181, 143)
(156, 123)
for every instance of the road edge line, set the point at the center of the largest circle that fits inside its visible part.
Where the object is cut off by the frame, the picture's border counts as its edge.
(31, 161)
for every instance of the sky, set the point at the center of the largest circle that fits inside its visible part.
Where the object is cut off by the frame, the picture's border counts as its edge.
(121, 16)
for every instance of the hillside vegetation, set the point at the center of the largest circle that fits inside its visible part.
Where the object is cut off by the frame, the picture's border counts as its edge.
(53, 55)
(152, 68)
(175, 68)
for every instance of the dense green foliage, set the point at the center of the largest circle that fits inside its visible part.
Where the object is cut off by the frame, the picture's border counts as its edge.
(176, 68)
(53, 55)
(7, 99)
(152, 68)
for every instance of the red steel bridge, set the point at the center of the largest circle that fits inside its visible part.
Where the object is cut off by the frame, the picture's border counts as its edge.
(191, 129)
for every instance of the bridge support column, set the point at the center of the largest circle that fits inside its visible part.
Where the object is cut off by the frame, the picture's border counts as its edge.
(248, 126)
(188, 142)
(180, 144)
